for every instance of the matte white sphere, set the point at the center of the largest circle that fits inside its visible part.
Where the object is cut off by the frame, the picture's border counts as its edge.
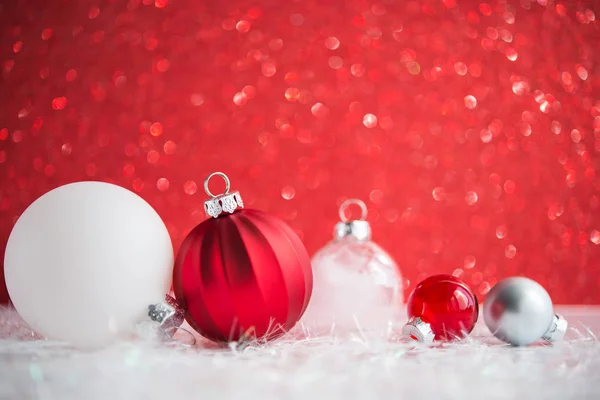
(518, 311)
(85, 260)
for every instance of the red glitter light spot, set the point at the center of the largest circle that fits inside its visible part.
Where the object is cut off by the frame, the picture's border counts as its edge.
(449, 3)
(336, 62)
(239, 99)
(156, 129)
(138, 185)
(94, 12)
(163, 65)
(8, 66)
(370, 120)
(357, 70)
(71, 75)
(59, 103)
(471, 198)
(332, 43)
(595, 237)
(291, 94)
(288, 192)
(470, 102)
(269, 69)
(319, 110)
(561, 10)
(243, 26)
(153, 156)
(151, 44)
(254, 12)
(128, 170)
(249, 92)
(91, 169)
(190, 187)
(485, 9)
(66, 149)
(162, 184)
(169, 147)
(509, 186)
(49, 170)
(17, 136)
(46, 34)
(510, 251)
(17, 46)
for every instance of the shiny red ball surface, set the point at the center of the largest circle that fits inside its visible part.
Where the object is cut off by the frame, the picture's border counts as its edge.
(447, 304)
(244, 275)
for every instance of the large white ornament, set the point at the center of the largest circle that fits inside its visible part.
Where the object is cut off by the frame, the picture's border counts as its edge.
(356, 284)
(84, 261)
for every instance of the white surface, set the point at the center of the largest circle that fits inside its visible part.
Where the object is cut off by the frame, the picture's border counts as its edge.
(85, 260)
(356, 367)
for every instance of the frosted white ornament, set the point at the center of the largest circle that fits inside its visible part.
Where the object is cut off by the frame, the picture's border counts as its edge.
(356, 284)
(84, 261)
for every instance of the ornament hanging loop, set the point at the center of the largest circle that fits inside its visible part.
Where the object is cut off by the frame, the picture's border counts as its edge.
(224, 202)
(346, 204)
(358, 229)
(225, 178)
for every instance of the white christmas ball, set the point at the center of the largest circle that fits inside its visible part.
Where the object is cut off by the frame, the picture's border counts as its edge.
(84, 261)
(518, 311)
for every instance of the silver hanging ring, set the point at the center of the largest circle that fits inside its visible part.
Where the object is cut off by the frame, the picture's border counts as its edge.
(225, 178)
(348, 203)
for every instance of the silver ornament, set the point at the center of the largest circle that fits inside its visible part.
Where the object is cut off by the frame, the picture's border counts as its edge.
(519, 311)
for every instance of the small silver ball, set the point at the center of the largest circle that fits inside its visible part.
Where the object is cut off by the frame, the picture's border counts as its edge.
(518, 311)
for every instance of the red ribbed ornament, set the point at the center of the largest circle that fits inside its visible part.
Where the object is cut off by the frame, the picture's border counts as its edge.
(241, 274)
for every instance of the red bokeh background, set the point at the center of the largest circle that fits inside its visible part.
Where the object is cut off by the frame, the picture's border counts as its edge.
(471, 129)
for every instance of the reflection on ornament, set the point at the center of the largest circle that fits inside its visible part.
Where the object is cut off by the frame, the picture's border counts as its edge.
(356, 283)
(442, 307)
(519, 311)
(241, 274)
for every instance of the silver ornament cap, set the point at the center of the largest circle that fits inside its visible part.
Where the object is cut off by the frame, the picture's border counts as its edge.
(223, 203)
(357, 229)
(557, 329)
(168, 314)
(518, 311)
(418, 329)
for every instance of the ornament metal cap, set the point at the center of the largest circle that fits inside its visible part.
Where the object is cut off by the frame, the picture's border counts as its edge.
(418, 329)
(168, 314)
(222, 203)
(557, 329)
(357, 229)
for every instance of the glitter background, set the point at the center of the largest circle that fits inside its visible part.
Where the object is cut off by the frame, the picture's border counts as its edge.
(471, 129)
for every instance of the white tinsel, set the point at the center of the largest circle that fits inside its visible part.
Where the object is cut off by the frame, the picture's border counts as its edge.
(330, 366)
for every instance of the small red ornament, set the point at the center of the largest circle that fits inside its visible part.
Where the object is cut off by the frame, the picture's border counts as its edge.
(242, 273)
(442, 307)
